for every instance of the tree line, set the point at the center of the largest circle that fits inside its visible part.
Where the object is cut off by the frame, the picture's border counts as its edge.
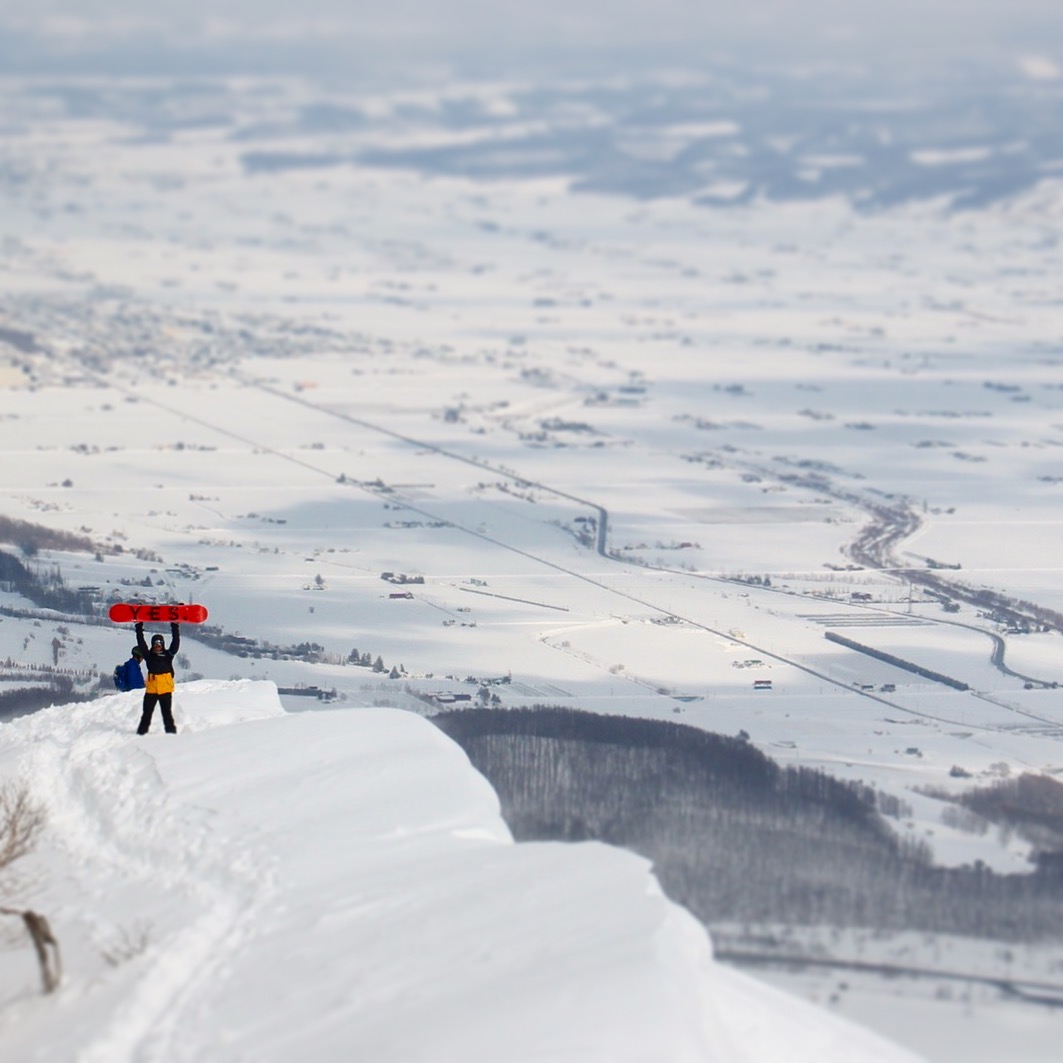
(30, 538)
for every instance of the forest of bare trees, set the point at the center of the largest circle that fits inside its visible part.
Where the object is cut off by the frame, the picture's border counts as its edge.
(733, 836)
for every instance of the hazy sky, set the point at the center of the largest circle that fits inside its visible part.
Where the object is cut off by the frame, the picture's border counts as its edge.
(497, 33)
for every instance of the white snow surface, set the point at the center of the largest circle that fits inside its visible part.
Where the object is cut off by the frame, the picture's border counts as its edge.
(339, 885)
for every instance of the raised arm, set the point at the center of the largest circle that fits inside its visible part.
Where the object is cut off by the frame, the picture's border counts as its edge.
(139, 629)
(175, 640)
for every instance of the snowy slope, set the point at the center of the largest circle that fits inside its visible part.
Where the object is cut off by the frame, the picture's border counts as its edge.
(340, 885)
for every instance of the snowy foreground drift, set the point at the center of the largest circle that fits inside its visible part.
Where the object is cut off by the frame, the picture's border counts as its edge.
(339, 885)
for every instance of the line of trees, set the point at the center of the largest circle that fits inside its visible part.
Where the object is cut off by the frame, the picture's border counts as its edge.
(897, 662)
(30, 538)
(733, 836)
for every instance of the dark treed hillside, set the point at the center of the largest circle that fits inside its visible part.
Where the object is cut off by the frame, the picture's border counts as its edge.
(21, 701)
(732, 835)
(48, 591)
(1030, 805)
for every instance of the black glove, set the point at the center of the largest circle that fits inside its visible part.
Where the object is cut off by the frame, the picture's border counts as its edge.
(174, 628)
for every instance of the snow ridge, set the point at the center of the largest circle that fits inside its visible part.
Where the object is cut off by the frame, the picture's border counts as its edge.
(340, 884)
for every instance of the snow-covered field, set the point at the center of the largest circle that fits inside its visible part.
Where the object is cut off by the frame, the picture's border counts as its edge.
(625, 446)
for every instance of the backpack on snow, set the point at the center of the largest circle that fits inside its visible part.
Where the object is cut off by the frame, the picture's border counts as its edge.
(121, 677)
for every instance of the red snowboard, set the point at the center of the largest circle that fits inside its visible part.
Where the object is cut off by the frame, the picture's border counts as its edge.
(140, 613)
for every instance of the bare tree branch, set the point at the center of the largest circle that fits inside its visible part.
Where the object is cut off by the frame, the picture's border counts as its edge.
(21, 822)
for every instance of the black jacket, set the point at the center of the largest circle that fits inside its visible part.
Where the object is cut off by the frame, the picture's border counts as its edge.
(159, 663)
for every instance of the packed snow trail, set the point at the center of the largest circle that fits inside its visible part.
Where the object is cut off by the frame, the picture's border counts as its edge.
(339, 885)
(153, 865)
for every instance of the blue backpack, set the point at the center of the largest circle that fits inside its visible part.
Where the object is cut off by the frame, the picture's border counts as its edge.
(121, 677)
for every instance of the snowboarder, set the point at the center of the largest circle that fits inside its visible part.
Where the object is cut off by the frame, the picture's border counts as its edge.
(159, 687)
(128, 676)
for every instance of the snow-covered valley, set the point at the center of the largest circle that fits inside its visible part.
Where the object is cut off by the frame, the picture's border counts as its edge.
(425, 425)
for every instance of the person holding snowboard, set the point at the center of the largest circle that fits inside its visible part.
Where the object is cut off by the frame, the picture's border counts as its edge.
(128, 675)
(159, 688)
